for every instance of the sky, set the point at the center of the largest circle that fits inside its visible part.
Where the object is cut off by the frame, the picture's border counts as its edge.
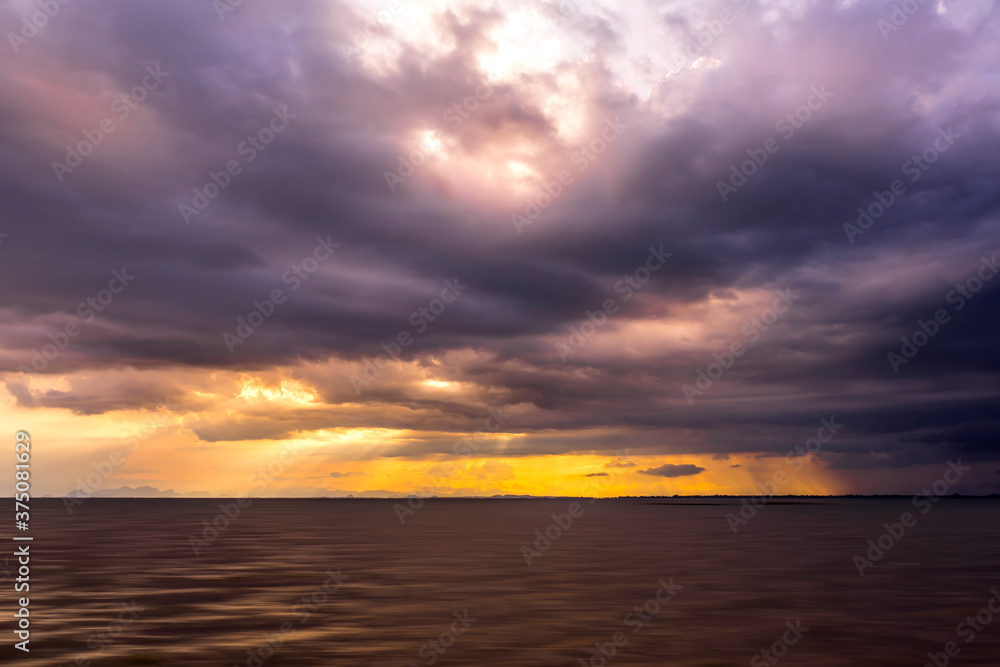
(458, 248)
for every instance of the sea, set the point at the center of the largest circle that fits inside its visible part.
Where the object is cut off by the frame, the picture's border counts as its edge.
(686, 582)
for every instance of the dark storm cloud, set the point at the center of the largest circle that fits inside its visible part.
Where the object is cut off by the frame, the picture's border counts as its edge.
(324, 176)
(671, 470)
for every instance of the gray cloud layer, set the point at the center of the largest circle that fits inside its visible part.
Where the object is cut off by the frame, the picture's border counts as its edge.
(324, 176)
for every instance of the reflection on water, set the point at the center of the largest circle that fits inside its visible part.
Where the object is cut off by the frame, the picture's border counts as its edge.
(451, 586)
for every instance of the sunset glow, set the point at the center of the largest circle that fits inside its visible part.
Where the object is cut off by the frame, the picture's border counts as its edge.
(371, 232)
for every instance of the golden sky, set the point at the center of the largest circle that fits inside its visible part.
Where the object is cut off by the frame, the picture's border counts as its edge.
(335, 242)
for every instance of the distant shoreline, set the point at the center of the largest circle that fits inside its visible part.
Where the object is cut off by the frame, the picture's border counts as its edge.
(773, 500)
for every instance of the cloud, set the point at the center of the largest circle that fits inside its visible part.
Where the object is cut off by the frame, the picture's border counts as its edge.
(671, 470)
(597, 474)
(324, 176)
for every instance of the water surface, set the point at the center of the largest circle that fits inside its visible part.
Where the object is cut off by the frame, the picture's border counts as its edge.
(404, 584)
